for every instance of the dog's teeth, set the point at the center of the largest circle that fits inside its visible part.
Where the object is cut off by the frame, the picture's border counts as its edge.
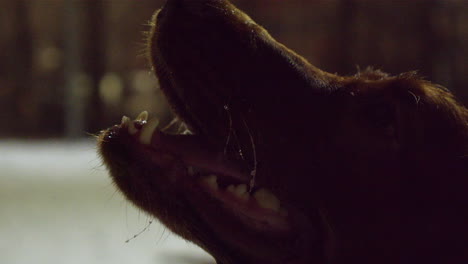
(240, 191)
(231, 189)
(148, 130)
(187, 132)
(211, 181)
(131, 128)
(266, 199)
(143, 116)
(125, 121)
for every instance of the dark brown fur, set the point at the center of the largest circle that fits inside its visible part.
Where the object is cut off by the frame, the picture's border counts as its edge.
(375, 165)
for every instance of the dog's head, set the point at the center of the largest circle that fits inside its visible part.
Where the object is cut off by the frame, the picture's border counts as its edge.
(285, 163)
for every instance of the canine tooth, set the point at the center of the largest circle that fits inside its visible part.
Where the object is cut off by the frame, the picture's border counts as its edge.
(148, 130)
(241, 192)
(266, 199)
(143, 116)
(211, 180)
(231, 189)
(125, 121)
(241, 189)
(131, 128)
(187, 132)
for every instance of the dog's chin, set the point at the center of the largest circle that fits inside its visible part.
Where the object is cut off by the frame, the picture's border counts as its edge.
(205, 197)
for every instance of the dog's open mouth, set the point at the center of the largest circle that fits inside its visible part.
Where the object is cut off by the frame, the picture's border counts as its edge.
(195, 166)
(187, 184)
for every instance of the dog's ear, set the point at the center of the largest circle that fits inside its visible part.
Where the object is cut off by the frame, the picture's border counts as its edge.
(214, 54)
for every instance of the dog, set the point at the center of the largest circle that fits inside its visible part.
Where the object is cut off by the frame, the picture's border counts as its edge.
(282, 162)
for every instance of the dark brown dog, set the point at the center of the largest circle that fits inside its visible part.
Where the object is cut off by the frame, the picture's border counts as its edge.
(286, 163)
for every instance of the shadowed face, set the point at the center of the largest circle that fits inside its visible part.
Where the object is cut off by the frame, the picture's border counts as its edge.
(285, 163)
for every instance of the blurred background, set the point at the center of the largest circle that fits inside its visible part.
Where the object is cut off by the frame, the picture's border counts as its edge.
(69, 68)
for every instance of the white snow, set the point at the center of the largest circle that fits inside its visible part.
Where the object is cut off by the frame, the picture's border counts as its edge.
(58, 205)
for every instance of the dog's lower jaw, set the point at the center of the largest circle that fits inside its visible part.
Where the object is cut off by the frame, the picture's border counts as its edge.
(181, 191)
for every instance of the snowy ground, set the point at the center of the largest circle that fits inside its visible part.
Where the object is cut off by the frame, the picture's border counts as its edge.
(57, 205)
